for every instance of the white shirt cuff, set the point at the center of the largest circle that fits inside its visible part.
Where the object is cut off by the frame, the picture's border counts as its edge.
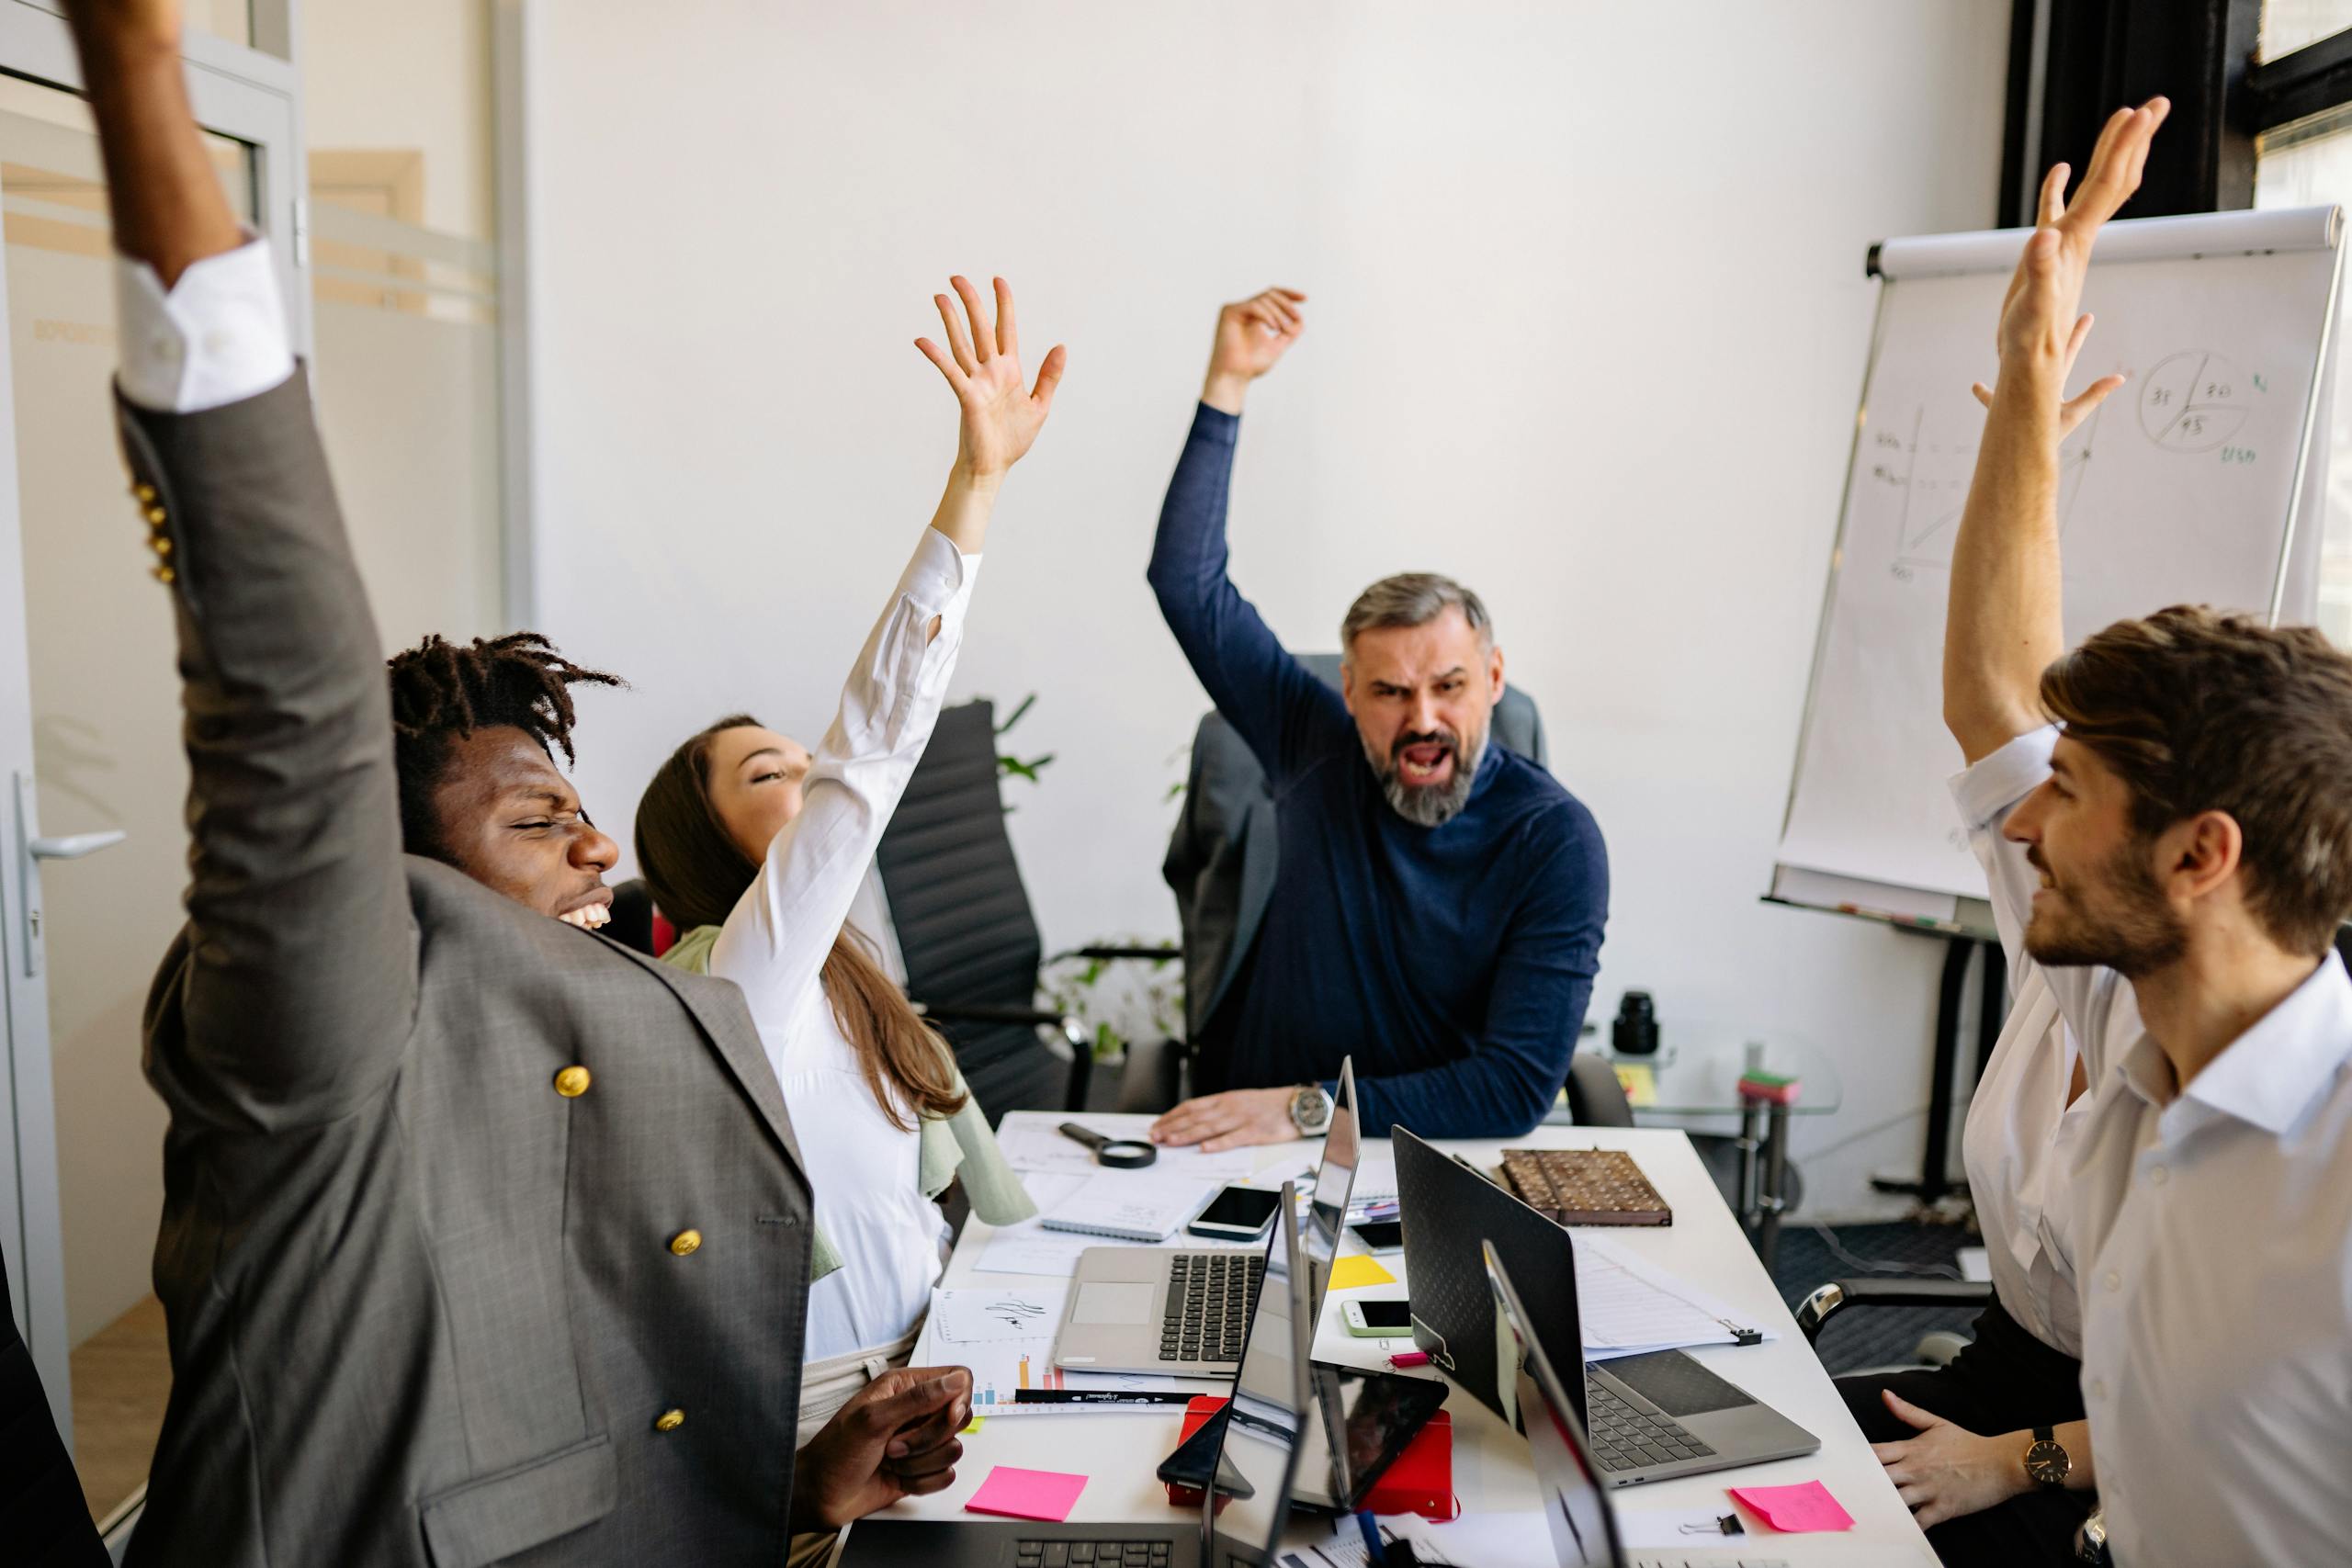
(939, 573)
(217, 337)
(1985, 791)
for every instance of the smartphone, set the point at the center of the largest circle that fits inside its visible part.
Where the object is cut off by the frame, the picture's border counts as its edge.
(1238, 1213)
(1380, 1236)
(1377, 1320)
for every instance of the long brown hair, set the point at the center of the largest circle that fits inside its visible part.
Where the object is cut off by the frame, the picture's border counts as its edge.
(698, 872)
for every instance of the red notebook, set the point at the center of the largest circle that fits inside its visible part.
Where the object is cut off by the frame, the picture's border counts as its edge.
(1420, 1482)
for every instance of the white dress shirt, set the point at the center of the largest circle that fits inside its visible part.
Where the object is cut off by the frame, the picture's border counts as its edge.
(2213, 1229)
(217, 337)
(866, 1172)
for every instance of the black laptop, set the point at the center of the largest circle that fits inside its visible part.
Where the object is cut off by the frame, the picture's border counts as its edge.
(1576, 1507)
(1649, 1416)
(1238, 1525)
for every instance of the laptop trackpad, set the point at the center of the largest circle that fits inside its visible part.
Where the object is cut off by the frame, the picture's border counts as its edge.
(1113, 1303)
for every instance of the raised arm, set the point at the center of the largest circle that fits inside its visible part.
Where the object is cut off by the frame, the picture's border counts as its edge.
(2004, 625)
(774, 941)
(296, 977)
(1240, 663)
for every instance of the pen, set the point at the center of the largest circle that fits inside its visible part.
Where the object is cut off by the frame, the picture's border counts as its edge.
(1097, 1396)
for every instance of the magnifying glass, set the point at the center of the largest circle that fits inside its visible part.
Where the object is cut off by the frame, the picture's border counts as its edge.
(1118, 1154)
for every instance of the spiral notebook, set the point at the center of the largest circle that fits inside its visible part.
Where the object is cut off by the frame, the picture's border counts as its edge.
(1129, 1206)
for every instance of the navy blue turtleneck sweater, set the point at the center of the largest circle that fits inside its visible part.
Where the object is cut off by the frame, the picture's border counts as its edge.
(1453, 962)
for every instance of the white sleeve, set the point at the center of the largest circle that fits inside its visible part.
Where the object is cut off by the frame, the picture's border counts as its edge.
(217, 337)
(1986, 792)
(776, 940)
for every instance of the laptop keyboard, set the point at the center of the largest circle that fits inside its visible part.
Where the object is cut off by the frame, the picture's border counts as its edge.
(1210, 1295)
(1627, 1438)
(1092, 1554)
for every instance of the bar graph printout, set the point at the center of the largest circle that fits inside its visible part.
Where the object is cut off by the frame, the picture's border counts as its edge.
(1005, 1335)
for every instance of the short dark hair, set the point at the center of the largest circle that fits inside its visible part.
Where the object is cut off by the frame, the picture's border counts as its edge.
(2199, 711)
(1412, 599)
(442, 692)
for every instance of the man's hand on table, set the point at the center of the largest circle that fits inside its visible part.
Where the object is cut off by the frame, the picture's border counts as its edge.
(895, 1438)
(1947, 1470)
(1235, 1119)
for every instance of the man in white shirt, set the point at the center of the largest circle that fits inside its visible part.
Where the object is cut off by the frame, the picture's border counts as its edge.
(2168, 812)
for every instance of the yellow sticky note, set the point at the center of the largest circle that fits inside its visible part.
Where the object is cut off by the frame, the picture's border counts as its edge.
(972, 1426)
(1355, 1269)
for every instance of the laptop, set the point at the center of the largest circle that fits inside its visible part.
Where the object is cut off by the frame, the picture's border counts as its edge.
(1142, 1309)
(1577, 1504)
(1241, 1524)
(1650, 1416)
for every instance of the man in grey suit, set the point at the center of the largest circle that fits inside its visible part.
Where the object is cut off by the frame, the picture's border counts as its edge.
(485, 1239)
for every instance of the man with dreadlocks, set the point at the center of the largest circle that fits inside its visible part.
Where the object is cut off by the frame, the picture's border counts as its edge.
(485, 1239)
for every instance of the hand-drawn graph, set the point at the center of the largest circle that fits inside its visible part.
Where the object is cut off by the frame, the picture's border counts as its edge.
(1932, 472)
(2193, 402)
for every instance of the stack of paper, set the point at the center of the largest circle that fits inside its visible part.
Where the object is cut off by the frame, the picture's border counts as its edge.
(1006, 1337)
(1629, 1306)
(1034, 1143)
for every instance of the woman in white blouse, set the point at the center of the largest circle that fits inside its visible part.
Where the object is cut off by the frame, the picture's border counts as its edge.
(756, 849)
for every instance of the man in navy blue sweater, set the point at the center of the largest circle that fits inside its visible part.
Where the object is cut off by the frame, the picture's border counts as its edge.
(1438, 902)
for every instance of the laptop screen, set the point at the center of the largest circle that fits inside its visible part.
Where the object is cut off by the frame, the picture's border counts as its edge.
(1576, 1506)
(1335, 1179)
(1269, 1404)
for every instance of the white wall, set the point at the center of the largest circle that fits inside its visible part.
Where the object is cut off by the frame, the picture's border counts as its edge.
(410, 76)
(1588, 321)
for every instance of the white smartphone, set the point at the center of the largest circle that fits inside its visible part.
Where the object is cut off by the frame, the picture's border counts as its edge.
(1376, 1320)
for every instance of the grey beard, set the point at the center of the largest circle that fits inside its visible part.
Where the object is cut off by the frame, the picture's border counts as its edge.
(1426, 805)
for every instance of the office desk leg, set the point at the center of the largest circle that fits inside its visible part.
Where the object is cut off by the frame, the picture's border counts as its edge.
(1770, 1201)
(1751, 1126)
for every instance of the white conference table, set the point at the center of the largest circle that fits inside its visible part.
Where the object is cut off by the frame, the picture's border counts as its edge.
(1118, 1450)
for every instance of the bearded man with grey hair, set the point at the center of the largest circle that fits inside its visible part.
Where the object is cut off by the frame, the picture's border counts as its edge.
(1438, 901)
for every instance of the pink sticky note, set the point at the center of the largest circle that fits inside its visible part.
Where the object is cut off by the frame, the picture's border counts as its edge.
(1046, 1495)
(1793, 1508)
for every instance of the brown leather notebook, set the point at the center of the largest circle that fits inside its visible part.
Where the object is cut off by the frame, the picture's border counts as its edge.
(1585, 1187)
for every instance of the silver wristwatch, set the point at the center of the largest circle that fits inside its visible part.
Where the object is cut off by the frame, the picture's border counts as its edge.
(1310, 1111)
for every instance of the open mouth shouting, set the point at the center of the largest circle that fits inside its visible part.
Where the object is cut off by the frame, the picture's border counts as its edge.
(1424, 761)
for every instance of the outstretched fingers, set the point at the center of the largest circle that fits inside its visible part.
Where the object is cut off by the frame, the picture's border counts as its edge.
(1007, 340)
(957, 341)
(983, 336)
(947, 367)
(1050, 377)
(2076, 409)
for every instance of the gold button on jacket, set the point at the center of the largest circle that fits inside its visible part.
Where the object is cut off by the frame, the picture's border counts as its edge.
(685, 1242)
(572, 1082)
(669, 1420)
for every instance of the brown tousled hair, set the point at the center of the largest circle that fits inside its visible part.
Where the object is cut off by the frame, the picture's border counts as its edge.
(697, 874)
(2199, 711)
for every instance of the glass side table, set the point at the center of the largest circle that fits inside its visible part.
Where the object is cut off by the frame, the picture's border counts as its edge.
(1712, 1071)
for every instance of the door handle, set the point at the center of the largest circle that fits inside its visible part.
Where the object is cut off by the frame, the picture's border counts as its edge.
(74, 846)
(64, 846)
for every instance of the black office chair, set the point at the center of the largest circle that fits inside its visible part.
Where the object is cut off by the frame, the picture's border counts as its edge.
(1220, 866)
(41, 1507)
(965, 930)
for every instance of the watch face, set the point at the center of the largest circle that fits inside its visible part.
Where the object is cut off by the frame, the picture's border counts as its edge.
(2047, 1464)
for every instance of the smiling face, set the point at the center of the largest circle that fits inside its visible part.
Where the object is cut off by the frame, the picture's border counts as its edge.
(507, 818)
(755, 776)
(1423, 698)
(2101, 901)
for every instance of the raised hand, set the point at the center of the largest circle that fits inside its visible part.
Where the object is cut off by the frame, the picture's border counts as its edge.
(1252, 335)
(2041, 332)
(1001, 417)
(152, 22)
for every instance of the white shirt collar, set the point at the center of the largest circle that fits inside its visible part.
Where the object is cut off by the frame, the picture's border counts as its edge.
(2268, 1076)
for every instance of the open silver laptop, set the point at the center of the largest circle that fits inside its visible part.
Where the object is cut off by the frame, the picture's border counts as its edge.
(1143, 1309)
(1577, 1504)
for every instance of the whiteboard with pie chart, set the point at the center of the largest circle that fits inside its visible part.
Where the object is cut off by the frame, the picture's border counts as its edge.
(2200, 482)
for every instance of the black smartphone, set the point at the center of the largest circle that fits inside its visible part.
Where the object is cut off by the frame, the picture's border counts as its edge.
(1238, 1213)
(1380, 1236)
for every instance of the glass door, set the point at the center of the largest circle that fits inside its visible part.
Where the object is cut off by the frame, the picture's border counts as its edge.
(92, 779)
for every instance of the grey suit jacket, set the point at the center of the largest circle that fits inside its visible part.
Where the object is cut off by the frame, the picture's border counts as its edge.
(1222, 856)
(425, 1306)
